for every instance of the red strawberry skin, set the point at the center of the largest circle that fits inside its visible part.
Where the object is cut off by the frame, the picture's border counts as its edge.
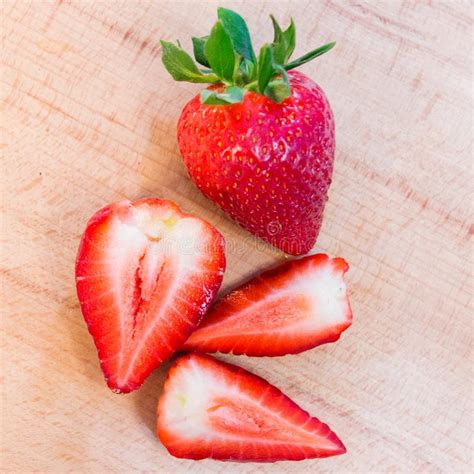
(297, 306)
(267, 165)
(211, 409)
(146, 274)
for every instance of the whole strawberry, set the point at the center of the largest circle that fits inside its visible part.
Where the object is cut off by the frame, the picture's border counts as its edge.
(259, 141)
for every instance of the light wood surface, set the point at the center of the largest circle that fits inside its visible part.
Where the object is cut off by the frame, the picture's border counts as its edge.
(88, 117)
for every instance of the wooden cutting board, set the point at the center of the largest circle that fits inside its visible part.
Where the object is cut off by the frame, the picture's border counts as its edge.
(88, 117)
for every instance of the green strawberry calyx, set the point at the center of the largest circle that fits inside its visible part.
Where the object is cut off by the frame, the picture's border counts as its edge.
(228, 58)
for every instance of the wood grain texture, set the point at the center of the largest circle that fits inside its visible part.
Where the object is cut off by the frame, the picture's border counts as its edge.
(88, 117)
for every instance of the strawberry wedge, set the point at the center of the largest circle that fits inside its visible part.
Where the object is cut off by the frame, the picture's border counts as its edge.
(146, 274)
(292, 308)
(211, 409)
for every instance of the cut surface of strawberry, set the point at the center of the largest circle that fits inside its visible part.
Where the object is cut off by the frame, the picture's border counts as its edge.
(294, 307)
(146, 274)
(211, 409)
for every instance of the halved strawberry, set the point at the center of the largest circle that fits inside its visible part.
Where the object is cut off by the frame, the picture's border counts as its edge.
(292, 308)
(146, 273)
(211, 409)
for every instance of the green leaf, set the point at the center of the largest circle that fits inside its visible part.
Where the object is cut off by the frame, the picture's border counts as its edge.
(198, 48)
(289, 36)
(276, 30)
(265, 67)
(279, 52)
(283, 42)
(220, 53)
(279, 88)
(309, 56)
(238, 32)
(181, 66)
(245, 73)
(231, 95)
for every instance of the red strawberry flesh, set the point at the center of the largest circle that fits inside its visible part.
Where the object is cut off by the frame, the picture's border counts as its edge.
(267, 165)
(146, 274)
(211, 409)
(294, 307)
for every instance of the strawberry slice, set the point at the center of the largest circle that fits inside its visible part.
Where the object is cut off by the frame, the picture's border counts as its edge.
(211, 409)
(294, 307)
(146, 274)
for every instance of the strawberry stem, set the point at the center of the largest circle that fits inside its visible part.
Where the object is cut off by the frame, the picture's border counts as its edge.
(251, 86)
(229, 58)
